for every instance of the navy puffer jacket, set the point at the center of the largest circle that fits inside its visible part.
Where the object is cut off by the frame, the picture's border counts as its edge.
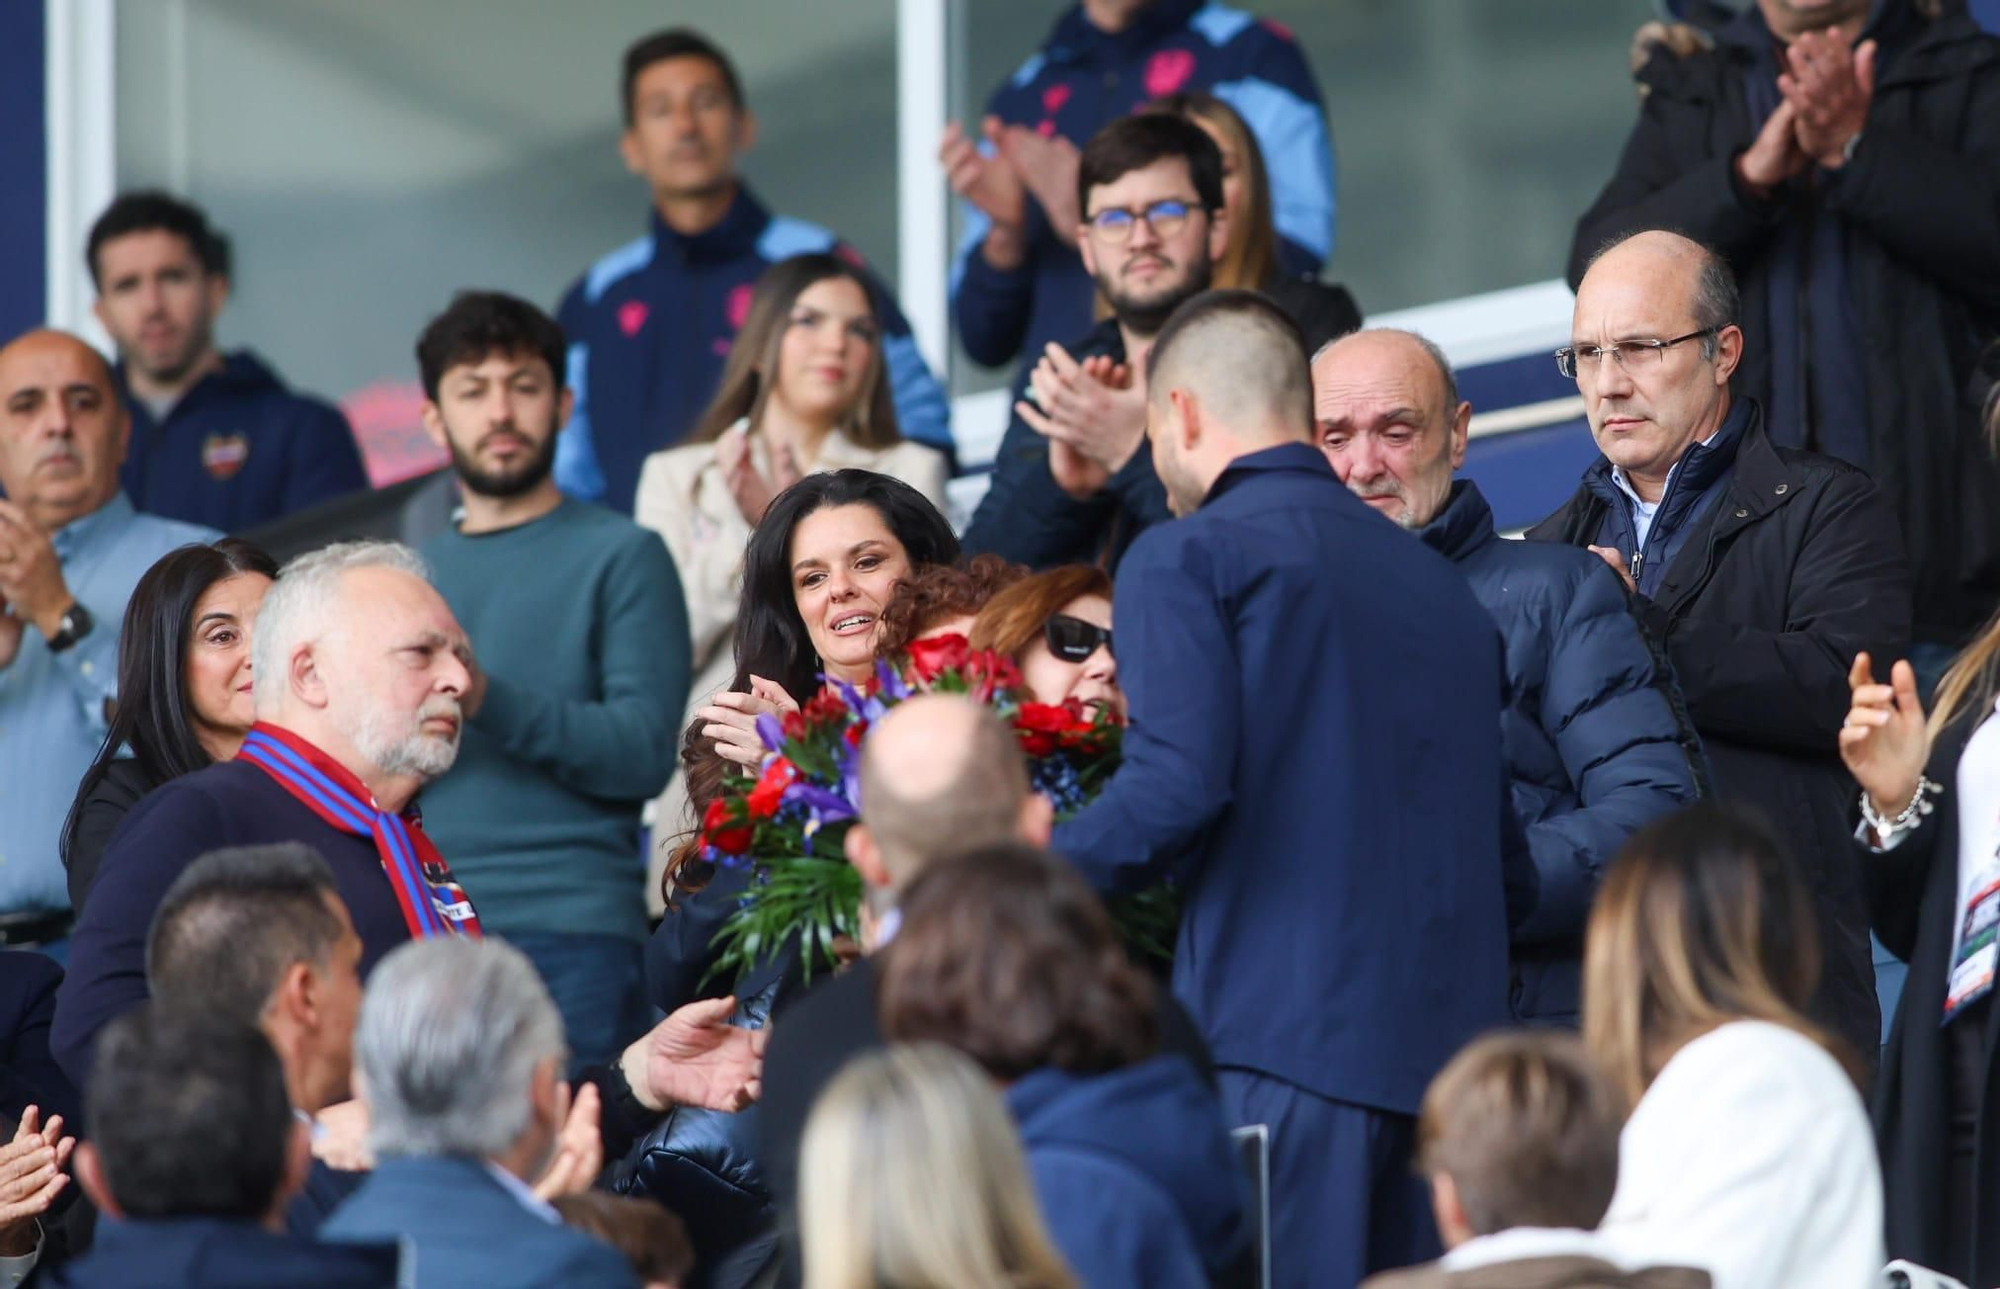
(1597, 739)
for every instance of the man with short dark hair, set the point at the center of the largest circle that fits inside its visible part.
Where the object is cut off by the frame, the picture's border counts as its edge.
(71, 550)
(1519, 1140)
(1762, 569)
(217, 439)
(1305, 682)
(1071, 483)
(193, 1154)
(1596, 738)
(573, 712)
(1844, 157)
(650, 324)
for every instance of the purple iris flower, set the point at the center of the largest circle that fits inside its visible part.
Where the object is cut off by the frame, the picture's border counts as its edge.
(771, 732)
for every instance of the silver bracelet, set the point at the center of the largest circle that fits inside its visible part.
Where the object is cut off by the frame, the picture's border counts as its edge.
(1920, 805)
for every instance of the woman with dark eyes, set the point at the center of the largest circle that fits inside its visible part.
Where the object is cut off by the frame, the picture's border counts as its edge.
(183, 689)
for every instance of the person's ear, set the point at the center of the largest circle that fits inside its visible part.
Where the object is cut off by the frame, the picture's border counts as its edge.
(1187, 412)
(1038, 819)
(1085, 248)
(307, 681)
(295, 1002)
(1461, 427)
(216, 287)
(89, 1168)
(1453, 1228)
(433, 418)
(630, 152)
(746, 130)
(1728, 352)
(866, 856)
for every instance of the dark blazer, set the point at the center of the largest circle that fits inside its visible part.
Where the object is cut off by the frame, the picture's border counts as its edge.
(1919, 206)
(1316, 759)
(1597, 737)
(98, 814)
(820, 1032)
(29, 1076)
(220, 1254)
(1792, 569)
(469, 1231)
(1913, 897)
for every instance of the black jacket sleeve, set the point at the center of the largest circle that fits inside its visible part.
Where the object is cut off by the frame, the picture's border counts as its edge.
(98, 814)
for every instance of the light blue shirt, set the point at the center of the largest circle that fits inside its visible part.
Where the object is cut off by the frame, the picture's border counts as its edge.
(52, 704)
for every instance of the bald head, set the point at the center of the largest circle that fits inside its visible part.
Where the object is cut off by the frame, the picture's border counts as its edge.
(1389, 419)
(940, 775)
(62, 427)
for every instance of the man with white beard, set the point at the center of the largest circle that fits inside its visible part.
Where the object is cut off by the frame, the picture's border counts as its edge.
(359, 671)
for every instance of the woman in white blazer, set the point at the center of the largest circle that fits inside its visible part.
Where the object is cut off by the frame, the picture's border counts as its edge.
(1748, 1150)
(804, 390)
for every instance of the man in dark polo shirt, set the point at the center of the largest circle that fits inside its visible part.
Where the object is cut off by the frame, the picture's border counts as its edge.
(360, 669)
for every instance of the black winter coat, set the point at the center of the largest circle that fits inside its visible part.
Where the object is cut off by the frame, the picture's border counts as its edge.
(1913, 897)
(1597, 739)
(1921, 201)
(1795, 568)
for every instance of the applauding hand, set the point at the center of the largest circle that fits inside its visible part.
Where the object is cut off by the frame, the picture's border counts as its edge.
(1829, 83)
(579, 1149)
(731, 719)
(695, 1057)
(1884, 740)
(31, 1176)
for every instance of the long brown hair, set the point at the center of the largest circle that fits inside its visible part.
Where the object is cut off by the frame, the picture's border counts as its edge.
(1703, 920)
(1251, 260)
(1013, 619)
(750, 374)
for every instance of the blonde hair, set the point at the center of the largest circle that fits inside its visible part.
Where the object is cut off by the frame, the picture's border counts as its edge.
(910, 1174)
(1703, 920)
(1972, 681)
(1251, 259)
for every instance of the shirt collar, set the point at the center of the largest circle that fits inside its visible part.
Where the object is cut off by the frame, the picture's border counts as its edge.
(735, 234)
(524, 1193)
(1522, 1242)
(107, 518)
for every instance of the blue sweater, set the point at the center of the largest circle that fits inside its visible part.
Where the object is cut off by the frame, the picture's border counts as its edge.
(1080, 80)
(650, 324)
(577, 620)
(1134, 1172)
(1314, 696)
(239, 450)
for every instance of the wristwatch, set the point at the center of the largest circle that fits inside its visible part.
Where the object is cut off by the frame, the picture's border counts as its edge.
(76, 624)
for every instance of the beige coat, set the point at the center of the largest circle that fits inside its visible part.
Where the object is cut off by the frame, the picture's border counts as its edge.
(683, 498)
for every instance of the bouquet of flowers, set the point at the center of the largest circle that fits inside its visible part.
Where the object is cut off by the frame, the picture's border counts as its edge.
(788, 823)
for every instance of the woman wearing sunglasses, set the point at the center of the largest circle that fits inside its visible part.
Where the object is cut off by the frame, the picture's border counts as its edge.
(1056, 626)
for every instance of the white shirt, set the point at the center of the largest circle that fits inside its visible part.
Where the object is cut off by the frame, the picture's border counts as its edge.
(523, 1192)
(1751, 1156)
(1518, 1244)
(1978, 815)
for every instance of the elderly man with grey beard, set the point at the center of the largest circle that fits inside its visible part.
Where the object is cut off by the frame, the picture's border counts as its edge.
(359, 672)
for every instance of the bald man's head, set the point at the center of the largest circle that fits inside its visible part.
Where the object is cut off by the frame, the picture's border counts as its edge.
(62, 427)
(940, 775)
(1227, 376)
(1390, 421)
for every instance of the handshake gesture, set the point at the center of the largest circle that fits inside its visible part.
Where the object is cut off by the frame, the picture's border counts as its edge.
(1827, 85)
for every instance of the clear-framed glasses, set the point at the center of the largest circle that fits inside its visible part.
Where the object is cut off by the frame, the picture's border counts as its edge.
(1571, 360)
(1114, 224)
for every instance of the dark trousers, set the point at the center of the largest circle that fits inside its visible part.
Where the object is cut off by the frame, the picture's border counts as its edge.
(1344, 1201)
(598, 984)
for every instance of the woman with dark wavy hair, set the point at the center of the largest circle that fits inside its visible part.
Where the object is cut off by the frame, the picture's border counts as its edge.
(183, 689)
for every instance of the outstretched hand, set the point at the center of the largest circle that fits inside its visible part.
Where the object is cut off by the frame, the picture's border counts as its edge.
(1885, 741)
(695, 1057)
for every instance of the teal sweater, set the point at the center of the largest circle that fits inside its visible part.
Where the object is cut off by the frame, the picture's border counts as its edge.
(577, 620)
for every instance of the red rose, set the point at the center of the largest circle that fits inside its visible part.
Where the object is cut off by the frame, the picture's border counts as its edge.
(826, 706)
(932, 657)
(733, 841)
(778, 776)
(855, 733)
(716, 815)
(793, 724)
(1036, 744)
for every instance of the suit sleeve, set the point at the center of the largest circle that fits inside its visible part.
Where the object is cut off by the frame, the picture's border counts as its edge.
(1848, 590)
(1606, 710)
(621, 745)
(1178, 763)
(1653, 188)
(326, 463)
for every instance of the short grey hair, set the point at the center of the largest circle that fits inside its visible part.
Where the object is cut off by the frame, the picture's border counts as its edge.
(299, 606)
(451, 1033)
(1717, 299)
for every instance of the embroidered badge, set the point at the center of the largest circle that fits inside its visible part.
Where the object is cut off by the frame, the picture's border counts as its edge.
(223, 455)
(1167, 71)
(632, 316)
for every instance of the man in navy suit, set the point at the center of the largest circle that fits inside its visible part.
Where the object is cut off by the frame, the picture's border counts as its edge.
(193, 1156)
(1311, 753)
(459, 1058)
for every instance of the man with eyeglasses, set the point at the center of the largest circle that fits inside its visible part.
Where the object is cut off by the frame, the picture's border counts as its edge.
(1070, 483)
(1762, 569)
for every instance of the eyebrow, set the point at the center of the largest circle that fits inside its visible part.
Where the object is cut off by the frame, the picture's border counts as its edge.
(851, 552)
(1392, 415)
(428, 640)
(215, 615)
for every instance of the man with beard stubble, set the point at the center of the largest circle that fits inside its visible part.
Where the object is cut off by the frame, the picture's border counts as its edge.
(573, 713)
(361, 674)
(1071, 482)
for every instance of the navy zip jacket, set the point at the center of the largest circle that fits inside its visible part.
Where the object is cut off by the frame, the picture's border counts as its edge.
(1596, 737)
(1314, 695)
(1082, 79)
(1135, 1173)
(650, 324)
(238, 450)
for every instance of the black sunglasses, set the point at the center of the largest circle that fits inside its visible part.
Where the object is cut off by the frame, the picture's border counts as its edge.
(1073, 639)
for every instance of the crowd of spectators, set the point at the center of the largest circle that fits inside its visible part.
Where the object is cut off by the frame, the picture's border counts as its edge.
(1522, 885)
